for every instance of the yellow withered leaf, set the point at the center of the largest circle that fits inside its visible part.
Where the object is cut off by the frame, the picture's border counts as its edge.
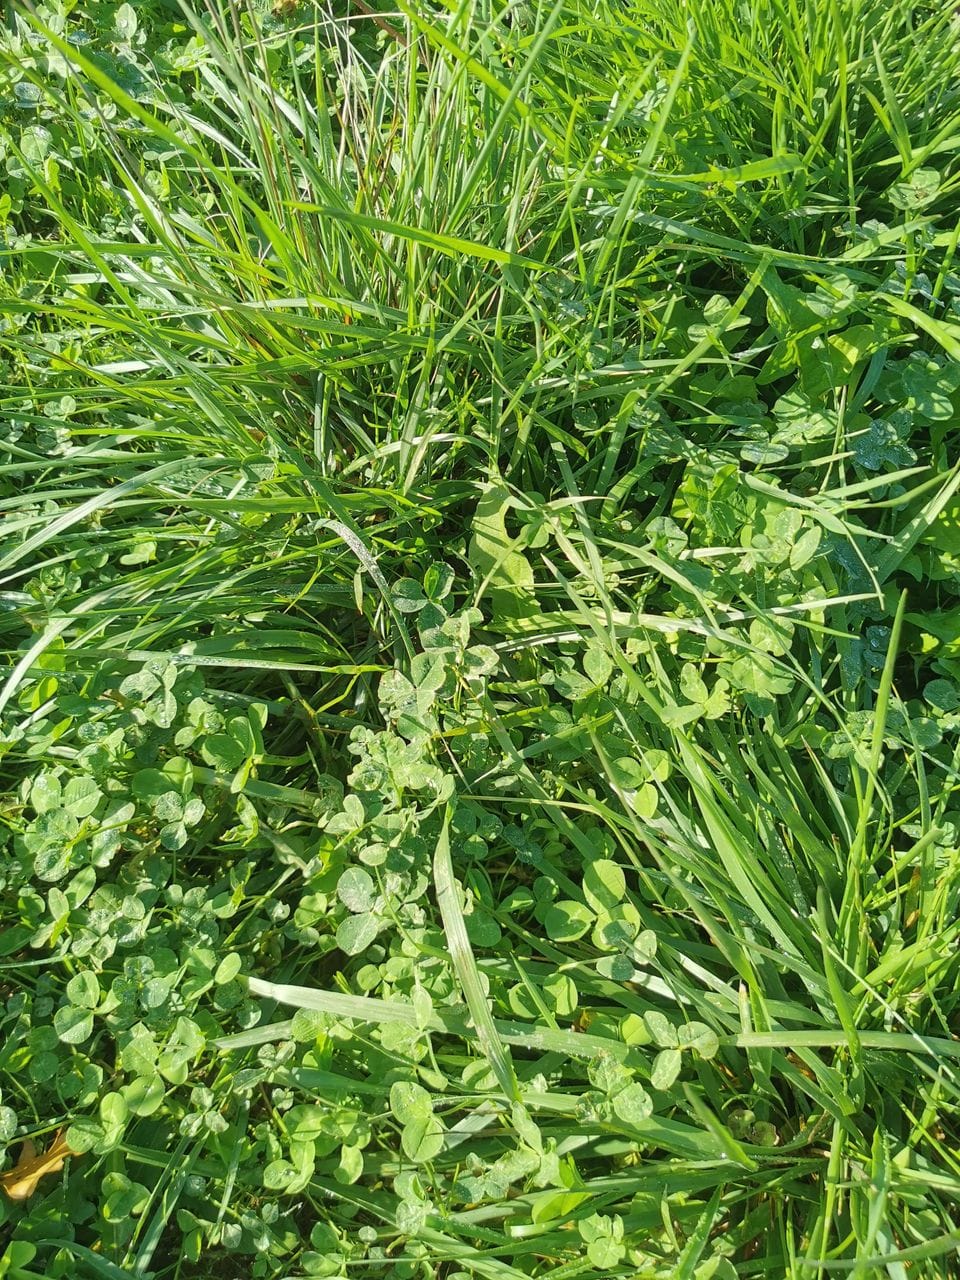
(20, 1182)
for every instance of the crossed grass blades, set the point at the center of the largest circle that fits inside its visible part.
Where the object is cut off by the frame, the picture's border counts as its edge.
(481, 694)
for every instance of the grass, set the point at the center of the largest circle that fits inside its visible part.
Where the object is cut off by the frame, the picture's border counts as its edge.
(479, 719)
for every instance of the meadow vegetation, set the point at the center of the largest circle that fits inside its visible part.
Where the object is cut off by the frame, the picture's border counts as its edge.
(481, 640)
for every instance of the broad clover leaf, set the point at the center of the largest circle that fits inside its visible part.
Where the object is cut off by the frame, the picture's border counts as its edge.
(915, 192)
(930, 383)
(884, 443)
(389, 765)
